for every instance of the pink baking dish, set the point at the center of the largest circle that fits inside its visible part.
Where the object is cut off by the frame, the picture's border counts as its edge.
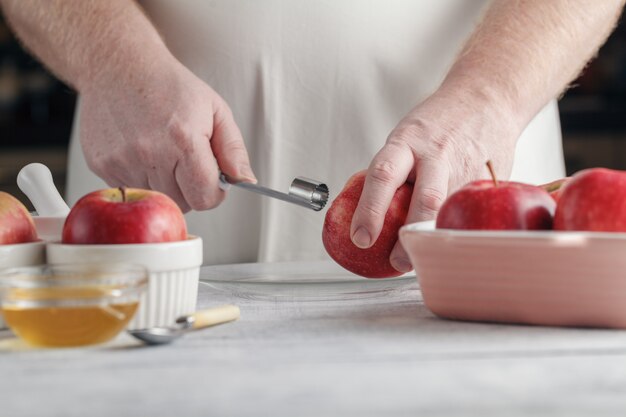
(541, 278)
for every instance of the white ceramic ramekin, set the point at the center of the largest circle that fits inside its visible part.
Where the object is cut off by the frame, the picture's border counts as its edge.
(21, 254)
(174, 269)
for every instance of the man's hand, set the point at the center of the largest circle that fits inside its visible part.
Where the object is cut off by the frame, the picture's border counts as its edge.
(439, 146)
(167, 131)
(146, 120)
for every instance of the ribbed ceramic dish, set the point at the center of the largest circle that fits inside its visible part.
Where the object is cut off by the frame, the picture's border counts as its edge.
(174, 271)
(21, 254)
(540, 278)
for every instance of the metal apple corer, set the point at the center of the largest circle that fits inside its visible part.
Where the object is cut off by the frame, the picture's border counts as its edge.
(303, 191)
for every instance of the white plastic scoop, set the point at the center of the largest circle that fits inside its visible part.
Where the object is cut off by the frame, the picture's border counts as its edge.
(35, 180)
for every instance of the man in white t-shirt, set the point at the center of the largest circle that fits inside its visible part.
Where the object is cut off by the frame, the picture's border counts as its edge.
(171, 92)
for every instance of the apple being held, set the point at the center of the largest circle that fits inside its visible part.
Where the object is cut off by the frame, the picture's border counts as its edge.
(593, 200)
(555, 188)
(16, 224)
(372, 262)
(497, 205)
(124, 215)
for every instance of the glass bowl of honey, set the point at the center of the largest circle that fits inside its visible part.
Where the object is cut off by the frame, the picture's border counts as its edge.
(70, 305)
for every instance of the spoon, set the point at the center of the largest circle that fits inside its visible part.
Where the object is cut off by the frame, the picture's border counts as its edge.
(184, 324)
(35, 180)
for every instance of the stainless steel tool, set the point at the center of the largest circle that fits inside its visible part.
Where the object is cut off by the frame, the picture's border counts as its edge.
(184, 324)
(303, 191)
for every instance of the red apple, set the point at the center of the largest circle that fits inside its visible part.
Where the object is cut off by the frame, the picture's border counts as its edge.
(593, 200)
(497, 205)
(124, 215)
(16, 224)
(555, 188)
(374, 261)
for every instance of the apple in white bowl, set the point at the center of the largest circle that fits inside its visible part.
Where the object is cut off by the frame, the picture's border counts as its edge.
(124, 215)
(16, 224)
(127, 225)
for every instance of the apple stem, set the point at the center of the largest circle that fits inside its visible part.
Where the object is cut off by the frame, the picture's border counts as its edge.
(123, 191)
(493, 173)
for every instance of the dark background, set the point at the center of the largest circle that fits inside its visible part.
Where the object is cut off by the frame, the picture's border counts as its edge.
(36, 113)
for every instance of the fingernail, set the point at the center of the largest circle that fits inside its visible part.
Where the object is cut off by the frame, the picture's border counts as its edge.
(402, 264)
(361, 238)
(246, 174)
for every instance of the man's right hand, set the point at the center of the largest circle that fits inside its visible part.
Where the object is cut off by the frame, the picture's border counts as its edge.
(164, 129)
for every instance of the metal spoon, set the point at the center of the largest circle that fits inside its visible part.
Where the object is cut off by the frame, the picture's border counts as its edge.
(184, 324)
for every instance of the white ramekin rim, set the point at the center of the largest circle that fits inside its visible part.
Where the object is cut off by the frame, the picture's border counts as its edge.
(155, 257)
(22, 254)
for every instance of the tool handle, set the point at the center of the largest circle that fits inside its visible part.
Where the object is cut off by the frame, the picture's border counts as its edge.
(215, 315)
(35, 180)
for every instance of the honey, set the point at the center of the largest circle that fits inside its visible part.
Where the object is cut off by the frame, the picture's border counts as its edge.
(62, 317)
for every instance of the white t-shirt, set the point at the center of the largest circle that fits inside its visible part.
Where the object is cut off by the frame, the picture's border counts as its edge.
(315, 88)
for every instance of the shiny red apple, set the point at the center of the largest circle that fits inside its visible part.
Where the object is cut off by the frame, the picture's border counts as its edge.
(16, 224)
(372, 262)
(593, 200)
(555, 188)
(497, 205)
(124, 215)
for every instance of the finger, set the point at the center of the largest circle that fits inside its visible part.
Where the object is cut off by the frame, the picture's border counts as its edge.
(165, 182)
(387, 172)
(229, 148)
(429, 193)
(197, 176)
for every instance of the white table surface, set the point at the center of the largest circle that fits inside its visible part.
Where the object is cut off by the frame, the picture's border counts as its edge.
(381, 356)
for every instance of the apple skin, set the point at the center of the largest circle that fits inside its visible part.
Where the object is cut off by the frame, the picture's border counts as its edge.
(16, 224)
(106, 217)
(372, 262)
(555, 188)
(482, 205)
(593, 200)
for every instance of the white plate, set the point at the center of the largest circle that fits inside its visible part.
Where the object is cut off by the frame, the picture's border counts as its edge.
(310, 281)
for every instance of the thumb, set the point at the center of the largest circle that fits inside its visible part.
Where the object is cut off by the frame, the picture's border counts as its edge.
(229, 148)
